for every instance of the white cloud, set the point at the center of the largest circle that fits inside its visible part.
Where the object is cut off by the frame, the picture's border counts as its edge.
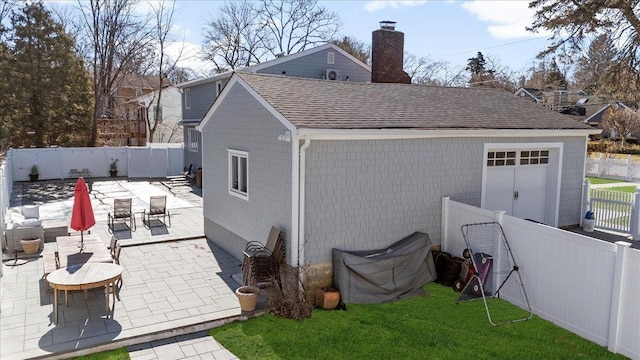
(190, 57)
(507, 19)
(376, 5)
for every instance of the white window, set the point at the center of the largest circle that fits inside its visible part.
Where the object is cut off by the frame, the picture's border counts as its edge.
(138, 92)
(187, 98)
(331, 57)
(238, 173)
(192, 139)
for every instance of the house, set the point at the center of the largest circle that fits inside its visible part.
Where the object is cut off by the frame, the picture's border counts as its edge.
(362, 165)
(117, 124)
(327, 62)
(168, 129)
(358, 166)
(597, 118)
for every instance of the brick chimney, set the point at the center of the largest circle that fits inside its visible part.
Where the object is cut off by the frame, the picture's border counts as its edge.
(387, 55)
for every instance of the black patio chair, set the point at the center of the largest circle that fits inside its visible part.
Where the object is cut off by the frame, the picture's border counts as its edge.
(157, 209)
(122, 211)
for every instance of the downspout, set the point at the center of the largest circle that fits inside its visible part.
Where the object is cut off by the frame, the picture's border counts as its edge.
(301, 207)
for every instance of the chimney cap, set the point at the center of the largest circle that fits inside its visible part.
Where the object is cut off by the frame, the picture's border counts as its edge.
(387, 25)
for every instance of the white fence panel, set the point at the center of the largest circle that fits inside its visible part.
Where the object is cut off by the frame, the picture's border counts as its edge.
(575, 281)
(629, 327)
(55, 163)
(612, 168)
(568, 277)
(140, 164)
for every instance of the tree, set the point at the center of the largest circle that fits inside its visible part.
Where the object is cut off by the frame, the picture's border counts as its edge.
(594, 63)
(555, 79)
(572, 22)
(247, 33)
(426, 71)
(50, 96)
(236, 38)
(119, 43)
(623, 121)
(358, 49)
(164, 22)
(475, 65)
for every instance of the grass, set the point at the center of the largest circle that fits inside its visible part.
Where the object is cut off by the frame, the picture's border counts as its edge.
(430, 326)
(596, 181)
(117, 354)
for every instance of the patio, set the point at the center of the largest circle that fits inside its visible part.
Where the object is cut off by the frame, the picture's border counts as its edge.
(171, 286)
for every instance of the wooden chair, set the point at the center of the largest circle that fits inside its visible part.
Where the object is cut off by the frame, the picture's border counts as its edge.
(157, 208)
(112, 246)
(122, 211)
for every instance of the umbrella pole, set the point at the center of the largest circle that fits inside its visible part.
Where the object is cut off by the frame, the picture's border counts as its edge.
(81, 241)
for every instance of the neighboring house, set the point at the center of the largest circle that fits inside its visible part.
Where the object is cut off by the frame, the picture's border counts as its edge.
(323, 62)
(597, 118)
(117, 126)
(570, 102)
(168, 129)
(361, 165)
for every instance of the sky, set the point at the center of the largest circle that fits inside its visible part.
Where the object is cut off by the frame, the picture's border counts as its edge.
(451, 31)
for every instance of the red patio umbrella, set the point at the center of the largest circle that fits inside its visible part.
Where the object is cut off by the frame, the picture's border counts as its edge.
(82, 214)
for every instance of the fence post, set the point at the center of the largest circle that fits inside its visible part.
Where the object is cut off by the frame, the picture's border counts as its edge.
(616, 295)
(585, 200)
(444, 223)
(635, 216)
(601, 165)
(629, 172)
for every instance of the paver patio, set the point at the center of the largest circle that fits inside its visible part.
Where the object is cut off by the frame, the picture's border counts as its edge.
(169, 287)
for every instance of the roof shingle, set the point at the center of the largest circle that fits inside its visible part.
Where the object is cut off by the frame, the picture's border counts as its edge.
(323, 104)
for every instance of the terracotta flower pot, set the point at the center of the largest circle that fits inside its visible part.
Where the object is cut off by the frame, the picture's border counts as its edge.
(248, 297)
(327, 298)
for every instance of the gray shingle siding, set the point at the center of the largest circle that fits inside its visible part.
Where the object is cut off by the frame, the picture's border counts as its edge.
(368, 194)
(241, 123)
(202, 97)
(314, 66)
(191, 157)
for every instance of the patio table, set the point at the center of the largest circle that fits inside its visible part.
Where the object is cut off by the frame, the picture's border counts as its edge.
(84, 277)
(95, 251)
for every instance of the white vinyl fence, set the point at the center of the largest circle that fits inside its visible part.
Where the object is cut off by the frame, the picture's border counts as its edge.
(585, 285)
(133, 162)
(612, 168)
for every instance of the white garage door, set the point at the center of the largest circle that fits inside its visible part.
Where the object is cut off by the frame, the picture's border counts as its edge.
(517, 182)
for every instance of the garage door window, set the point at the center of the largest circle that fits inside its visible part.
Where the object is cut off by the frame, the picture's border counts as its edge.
(501, 158)
(534, 157)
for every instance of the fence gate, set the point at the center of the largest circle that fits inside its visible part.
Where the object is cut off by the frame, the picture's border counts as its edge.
(612, 209)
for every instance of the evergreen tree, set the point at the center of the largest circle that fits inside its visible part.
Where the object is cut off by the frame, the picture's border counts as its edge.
(555, 78)
(358, 49)
(475, 65)
(49, 93)
(594, 64)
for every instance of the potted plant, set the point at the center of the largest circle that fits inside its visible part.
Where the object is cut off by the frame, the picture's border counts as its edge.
(33, 175)
(113, 168)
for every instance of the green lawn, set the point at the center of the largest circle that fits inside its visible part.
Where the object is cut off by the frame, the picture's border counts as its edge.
(594, 181)
(430, 326)
(118, 354)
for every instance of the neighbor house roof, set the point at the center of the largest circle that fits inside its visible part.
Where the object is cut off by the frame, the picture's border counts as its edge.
(322, 104)
(257, 67)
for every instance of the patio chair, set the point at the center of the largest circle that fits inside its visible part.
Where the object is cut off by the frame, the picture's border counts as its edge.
(122, 211)
(157, 208)
(112, 246)
(261, 262)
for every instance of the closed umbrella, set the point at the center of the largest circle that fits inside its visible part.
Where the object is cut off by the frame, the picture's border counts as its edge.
(82, 214)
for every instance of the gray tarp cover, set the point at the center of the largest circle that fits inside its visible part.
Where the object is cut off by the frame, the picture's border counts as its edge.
(374, 276)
